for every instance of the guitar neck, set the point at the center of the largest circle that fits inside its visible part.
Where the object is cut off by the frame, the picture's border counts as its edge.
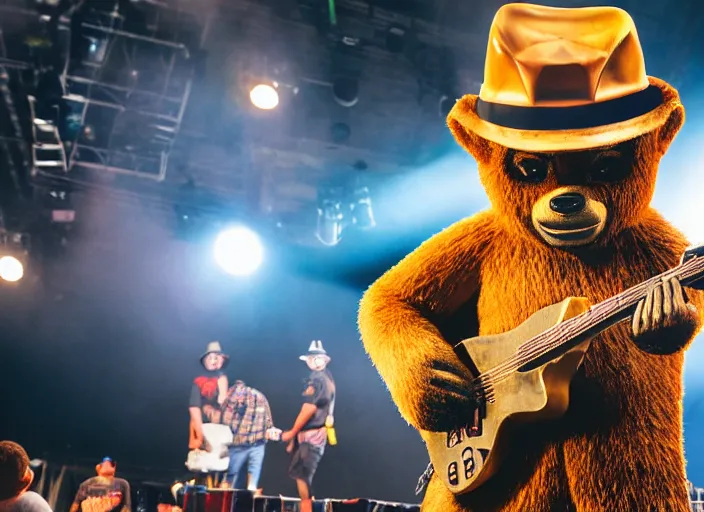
(600, 317)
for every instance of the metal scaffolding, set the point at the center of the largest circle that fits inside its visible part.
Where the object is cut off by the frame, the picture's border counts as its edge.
(126, 94)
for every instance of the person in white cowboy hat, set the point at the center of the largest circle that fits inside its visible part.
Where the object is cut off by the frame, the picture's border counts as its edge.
(309, 434)
(209, 388)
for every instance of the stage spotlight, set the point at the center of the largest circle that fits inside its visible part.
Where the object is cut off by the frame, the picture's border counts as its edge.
(11, 269)
(330, 222)
(346, 91)
(362, 213)
(264, 96)
(238, 251)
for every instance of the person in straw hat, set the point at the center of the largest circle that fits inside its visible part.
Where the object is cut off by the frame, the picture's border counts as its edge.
(568, 131)
(310, 432)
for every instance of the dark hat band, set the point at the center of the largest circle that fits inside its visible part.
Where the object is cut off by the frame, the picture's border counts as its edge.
(571, 118)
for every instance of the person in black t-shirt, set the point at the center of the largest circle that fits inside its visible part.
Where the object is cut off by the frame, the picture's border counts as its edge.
(208, 388)
(309, 434)
(103, 493)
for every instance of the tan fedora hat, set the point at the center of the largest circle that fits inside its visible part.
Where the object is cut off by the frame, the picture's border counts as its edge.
(215, 348)
(563, 79)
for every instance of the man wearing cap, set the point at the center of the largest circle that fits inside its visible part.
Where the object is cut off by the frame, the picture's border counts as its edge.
(103, 493)
(208, 389)
(309, 434)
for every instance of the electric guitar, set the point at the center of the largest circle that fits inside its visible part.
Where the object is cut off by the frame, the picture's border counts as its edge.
(525, 374)
(216, 455)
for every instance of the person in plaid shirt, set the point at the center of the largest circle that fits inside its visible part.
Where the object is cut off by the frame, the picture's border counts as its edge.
(246, 411)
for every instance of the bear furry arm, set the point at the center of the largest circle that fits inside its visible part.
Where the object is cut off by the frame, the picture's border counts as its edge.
(398, 316)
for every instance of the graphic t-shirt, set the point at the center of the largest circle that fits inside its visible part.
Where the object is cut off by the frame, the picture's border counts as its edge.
(204, 391)
(319, 391)
(99, 494)
(26, 502)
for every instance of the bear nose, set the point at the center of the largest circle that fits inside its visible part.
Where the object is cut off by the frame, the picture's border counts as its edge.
(568, 203)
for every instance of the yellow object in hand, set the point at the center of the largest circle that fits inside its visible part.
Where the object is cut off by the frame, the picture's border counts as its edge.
(332, 438)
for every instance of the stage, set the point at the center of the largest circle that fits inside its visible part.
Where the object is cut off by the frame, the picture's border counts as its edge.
(151, 488)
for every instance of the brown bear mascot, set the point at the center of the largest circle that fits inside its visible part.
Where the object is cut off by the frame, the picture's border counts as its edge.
(568, 131)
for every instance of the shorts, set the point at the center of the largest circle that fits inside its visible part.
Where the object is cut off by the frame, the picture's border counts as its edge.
(304, 462)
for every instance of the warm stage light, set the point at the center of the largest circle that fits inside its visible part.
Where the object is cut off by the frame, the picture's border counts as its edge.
(11, 269)
(264, 97)
(238, 251)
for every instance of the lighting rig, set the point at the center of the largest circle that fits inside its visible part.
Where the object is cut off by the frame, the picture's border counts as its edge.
(14, 255)
(26, 53)
(88, 90)
(125, 91)
(341, 207)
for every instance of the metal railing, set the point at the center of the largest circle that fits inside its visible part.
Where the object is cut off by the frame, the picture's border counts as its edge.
(697, 496)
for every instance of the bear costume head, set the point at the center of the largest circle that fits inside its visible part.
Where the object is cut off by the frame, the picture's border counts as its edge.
(570, 118)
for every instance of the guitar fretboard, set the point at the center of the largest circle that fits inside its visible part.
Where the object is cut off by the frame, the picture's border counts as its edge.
(598, 318)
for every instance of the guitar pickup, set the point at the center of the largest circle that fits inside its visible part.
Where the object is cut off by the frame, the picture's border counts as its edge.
(457, 436)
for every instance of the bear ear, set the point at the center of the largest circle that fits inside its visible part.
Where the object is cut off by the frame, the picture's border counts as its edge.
(668, 131)
(475, 145)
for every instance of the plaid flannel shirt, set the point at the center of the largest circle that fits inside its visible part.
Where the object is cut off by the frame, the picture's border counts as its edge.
(248, 415)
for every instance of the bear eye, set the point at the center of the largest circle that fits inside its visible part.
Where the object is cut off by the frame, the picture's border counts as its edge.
(608, 169)
(530, 169)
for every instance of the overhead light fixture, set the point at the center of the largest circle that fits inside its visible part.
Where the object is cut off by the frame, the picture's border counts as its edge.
(11, 269)
(264, 96)
(396, 39)
(13, 256)
(346, 91)
(239, 251)
(362, 213)
(97, 48)
(58, 201)
(330, 222)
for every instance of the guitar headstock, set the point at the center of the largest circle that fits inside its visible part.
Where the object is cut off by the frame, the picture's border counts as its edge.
(694, 251)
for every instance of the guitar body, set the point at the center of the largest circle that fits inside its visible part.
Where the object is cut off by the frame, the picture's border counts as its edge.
(464, 460)
(216, 456)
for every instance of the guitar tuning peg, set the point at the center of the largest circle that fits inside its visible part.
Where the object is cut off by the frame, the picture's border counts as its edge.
(695, 251)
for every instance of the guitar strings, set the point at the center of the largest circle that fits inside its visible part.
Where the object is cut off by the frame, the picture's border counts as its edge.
(553, 338)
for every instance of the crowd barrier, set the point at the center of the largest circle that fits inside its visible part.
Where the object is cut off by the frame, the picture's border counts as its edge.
(58, 484)
(200, 499)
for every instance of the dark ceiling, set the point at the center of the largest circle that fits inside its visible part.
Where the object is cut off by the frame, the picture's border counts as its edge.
(148, 100)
